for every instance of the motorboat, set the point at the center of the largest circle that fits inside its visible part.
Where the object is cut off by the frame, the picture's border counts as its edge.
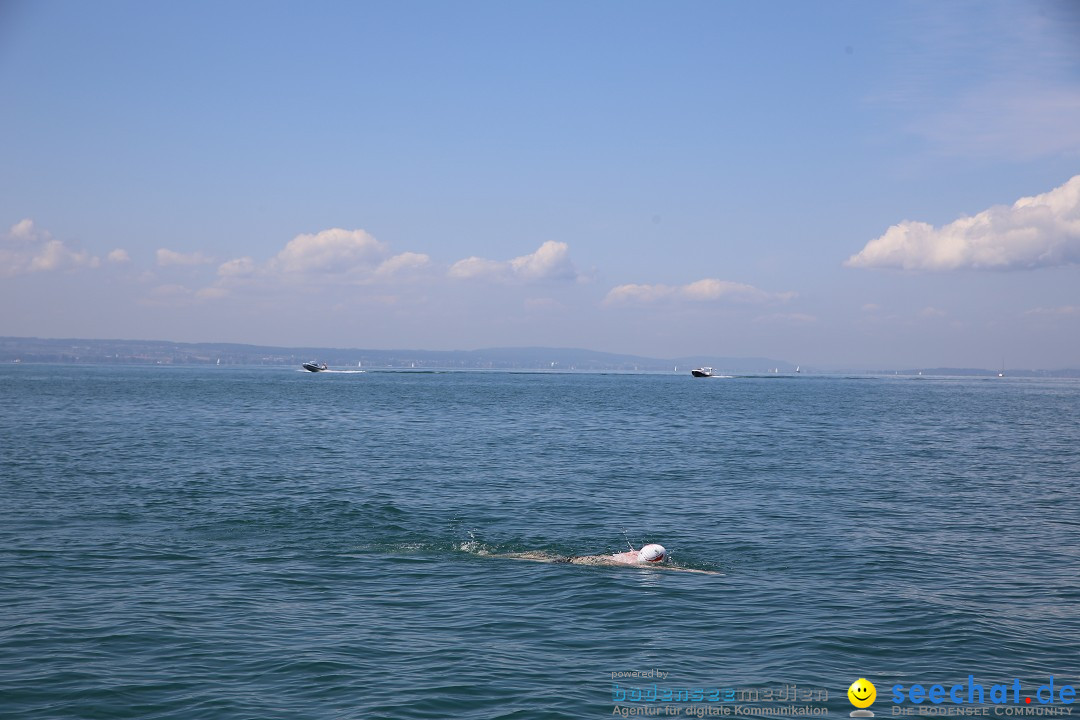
(702, 372)
(314, 366)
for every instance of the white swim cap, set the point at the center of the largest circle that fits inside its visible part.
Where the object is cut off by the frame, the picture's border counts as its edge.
(651, 553)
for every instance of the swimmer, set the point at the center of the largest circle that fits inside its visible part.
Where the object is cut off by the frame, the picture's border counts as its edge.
(651, 555)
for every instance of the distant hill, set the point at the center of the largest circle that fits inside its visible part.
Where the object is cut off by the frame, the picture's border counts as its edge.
(983, 372)
(161, 352)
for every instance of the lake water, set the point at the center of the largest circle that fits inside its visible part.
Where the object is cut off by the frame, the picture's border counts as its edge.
(270, 543)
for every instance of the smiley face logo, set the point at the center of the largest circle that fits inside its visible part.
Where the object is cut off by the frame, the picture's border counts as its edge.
(862, 693)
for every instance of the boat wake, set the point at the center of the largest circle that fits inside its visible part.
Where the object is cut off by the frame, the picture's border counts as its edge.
(333, 372)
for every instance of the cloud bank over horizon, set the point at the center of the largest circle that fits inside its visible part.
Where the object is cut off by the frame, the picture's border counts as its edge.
(551, 261)
(27, 249)
(341, 257)
(167, 258)
(1034, 232)
(706, 290)
(335, 254)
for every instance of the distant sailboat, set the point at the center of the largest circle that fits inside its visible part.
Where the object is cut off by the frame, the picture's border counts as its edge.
(798, 369)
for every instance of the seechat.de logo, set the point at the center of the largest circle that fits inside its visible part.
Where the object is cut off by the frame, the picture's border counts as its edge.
(975, 693)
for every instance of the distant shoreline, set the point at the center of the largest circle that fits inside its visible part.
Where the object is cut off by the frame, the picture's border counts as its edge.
(161, 352)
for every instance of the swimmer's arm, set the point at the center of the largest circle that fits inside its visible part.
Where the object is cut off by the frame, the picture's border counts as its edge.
(689, 570)
(536, 556)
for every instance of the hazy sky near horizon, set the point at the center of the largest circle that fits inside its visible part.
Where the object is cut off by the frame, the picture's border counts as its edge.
(834, 184)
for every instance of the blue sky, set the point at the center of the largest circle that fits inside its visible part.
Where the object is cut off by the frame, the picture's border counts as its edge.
(833, 184)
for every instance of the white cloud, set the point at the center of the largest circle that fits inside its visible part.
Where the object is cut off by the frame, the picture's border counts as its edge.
(475, 267)
(1039, 231)
(551, 261)
(54, 255)
(707, 290)
(27, 249)
(119, 255)
(932, 312)
(332, 251)
(240, 267)
(1061, 310)
(328, 257)
(166, 258)
(638, 294)
(25, 230)
(404, 262)
(711, 289)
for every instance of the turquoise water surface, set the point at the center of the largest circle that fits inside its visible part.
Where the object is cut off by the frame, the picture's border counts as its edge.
(269, 543)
